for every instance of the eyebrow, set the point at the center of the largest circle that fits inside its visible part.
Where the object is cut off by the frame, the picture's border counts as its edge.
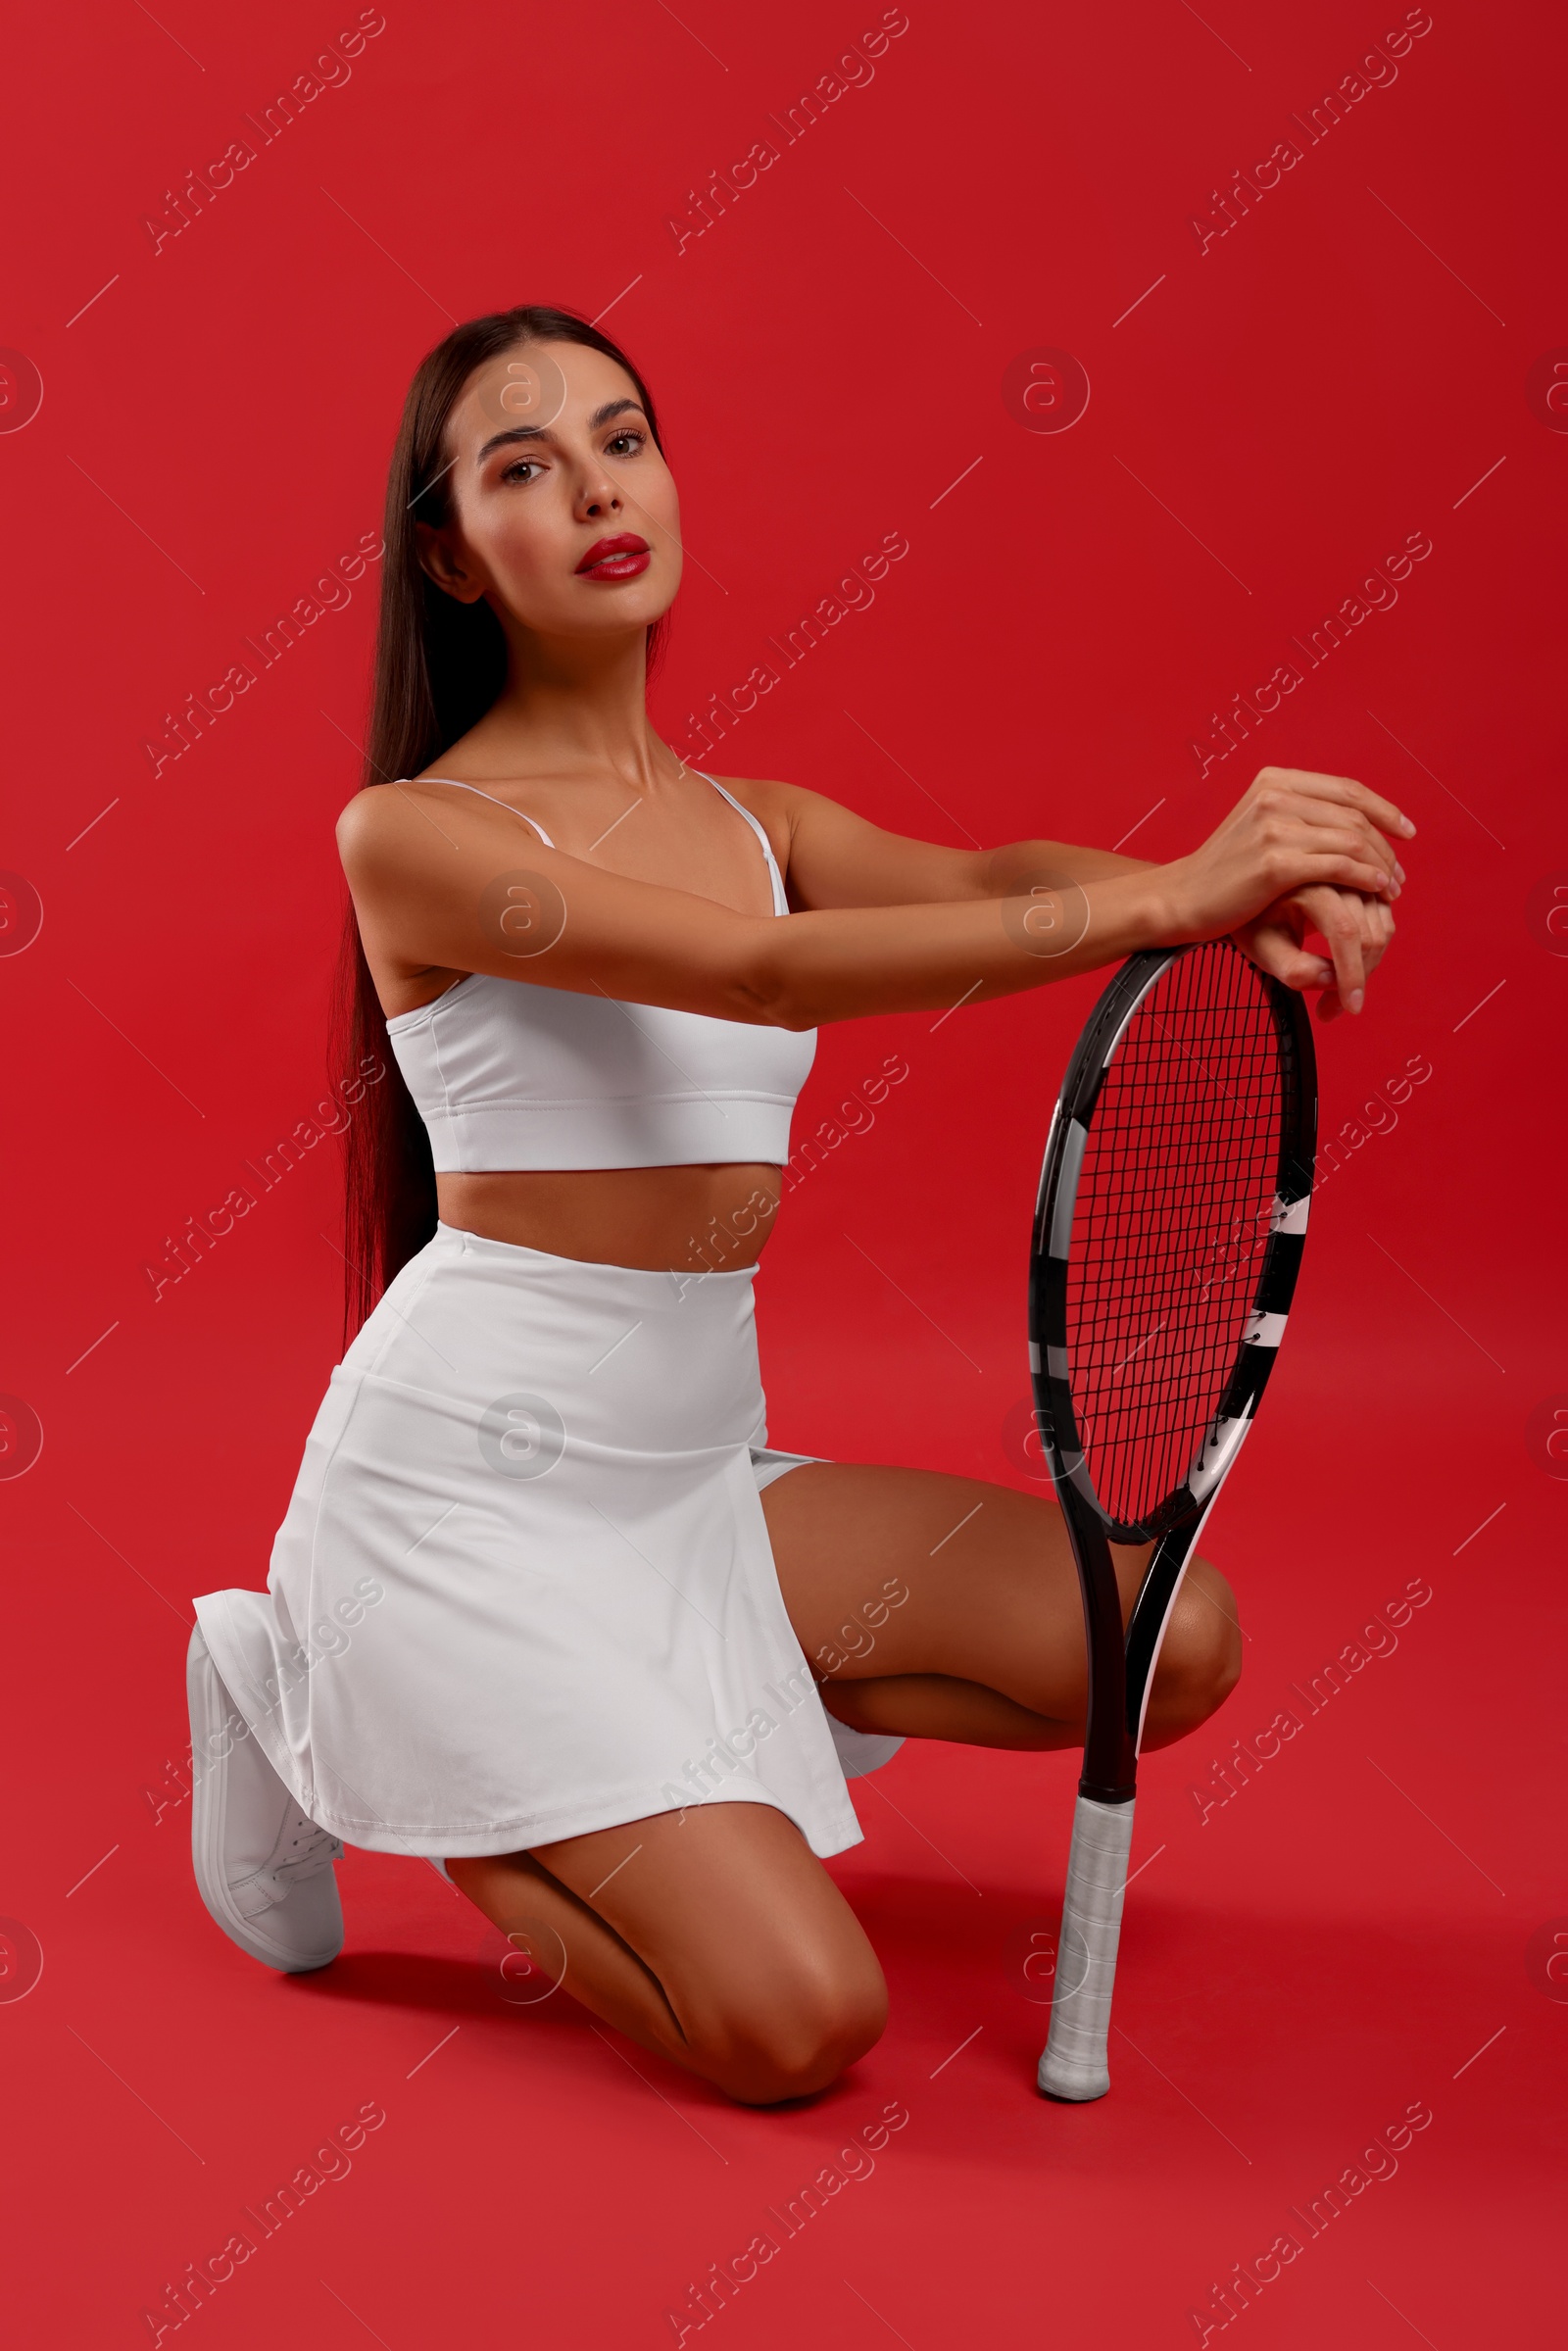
(541, 432)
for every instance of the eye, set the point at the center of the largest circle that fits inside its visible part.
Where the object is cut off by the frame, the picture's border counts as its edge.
(522, 468)
(627, 442)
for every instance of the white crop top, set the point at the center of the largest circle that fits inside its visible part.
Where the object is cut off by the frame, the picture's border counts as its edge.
(507, 1074)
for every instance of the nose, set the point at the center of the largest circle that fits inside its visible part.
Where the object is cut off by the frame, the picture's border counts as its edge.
(598, 498)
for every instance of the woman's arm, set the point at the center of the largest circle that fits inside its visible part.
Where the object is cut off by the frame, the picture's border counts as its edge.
(837, 859)
(441, 887)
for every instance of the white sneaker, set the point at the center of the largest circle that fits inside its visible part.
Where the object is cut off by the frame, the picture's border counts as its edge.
(263, 1869)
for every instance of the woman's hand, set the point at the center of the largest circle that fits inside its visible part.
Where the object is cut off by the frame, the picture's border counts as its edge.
(1356, 929)
(1292, 830)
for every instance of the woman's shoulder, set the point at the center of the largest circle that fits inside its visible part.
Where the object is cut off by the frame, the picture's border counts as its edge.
(745, 787)
(782, 807)
(380, 817)
(767, 797)
(775, 805)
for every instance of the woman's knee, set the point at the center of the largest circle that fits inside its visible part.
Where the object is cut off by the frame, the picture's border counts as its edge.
(1199, 1659)
(799, 2039)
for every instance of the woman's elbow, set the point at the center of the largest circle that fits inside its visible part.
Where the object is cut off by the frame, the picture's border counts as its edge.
(767, 994)
(770, 1004)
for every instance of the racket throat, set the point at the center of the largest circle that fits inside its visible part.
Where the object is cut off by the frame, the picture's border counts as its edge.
(1110, 1743)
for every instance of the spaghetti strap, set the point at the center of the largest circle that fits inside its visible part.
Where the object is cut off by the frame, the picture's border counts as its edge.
(780, 901)
(458, 783)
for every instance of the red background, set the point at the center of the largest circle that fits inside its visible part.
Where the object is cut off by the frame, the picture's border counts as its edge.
(1268, 417)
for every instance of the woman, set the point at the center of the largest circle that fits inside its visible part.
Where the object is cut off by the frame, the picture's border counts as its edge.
(542, 1602)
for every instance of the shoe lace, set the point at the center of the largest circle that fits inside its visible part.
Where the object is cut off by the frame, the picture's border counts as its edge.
(308, 1849)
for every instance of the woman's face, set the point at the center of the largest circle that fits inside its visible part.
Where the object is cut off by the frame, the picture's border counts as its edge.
(565, 513)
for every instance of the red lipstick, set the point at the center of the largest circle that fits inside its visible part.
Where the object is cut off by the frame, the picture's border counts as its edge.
(621, 558)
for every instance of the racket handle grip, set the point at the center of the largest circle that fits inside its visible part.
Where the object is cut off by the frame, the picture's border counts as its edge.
(1074, 2063)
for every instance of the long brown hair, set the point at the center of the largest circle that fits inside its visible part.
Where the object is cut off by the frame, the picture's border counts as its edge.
(439, 667)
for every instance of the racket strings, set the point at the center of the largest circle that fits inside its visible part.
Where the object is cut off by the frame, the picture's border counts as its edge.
(1169, 1225)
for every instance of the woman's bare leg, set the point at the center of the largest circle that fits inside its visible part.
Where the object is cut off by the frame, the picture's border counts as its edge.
(946, 1607)
(712, 1937)
(938, 1606)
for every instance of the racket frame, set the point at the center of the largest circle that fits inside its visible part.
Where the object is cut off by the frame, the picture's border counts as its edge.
(1122, 1658)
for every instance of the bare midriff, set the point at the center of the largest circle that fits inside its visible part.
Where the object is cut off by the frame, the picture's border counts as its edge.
(710, 1219)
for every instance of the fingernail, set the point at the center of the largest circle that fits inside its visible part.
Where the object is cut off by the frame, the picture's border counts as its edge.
(1398, 870)
(1353, 999)
(1406, 827)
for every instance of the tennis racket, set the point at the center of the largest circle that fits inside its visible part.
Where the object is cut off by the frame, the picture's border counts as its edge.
(1168, 1238)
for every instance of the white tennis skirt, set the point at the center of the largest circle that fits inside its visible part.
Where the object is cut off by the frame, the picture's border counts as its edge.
(524, 1587)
